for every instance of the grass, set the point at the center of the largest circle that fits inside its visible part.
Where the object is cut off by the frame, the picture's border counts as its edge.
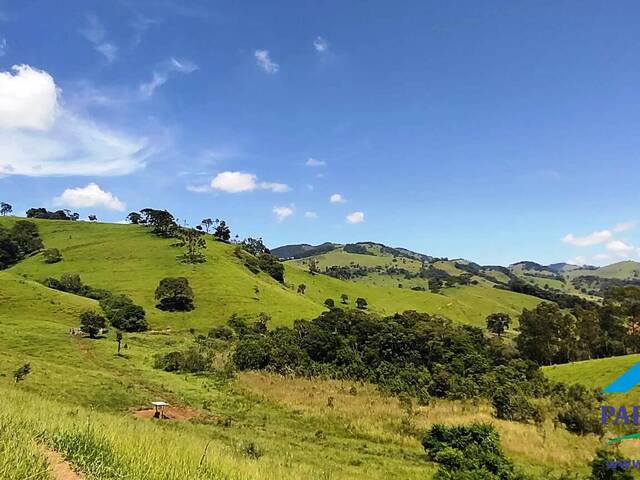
(627, 269)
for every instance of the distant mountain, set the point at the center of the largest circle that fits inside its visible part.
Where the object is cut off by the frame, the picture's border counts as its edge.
(303, 250)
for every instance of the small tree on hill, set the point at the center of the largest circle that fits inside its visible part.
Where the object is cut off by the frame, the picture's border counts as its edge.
(222, 232)
(344, 298)
(20, 374)
(193, 243)
(134, 217)
(52, 255)
(5, 209)
(119, 340)
(498, 323)
(91, 322)
(93, 218)
(329, 303)
(207, 223)
(174, 294)
(361, 303)
(301, 288)
(314, 266)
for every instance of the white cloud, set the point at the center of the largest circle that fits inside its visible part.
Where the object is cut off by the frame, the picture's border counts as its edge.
(163, 72)
(355, 217)
(619, 247)
(336, 198)
(311, 215)
(94, 32)
(236, 182)
(320, 44)
(3, 47)
(594, 238)
(263, 60)
(624, 227)
(282, 213)
(38, 137)
(89, 197)
(312, 162)
(579, 261)
(199, 188)
(602, 256)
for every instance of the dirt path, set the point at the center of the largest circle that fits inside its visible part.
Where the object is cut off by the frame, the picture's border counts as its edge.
(59, 467)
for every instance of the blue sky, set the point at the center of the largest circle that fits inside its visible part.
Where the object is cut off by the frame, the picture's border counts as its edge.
(495, 131)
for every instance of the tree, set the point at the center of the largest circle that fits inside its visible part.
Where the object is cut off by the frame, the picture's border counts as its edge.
(162, 222)
(20, 374)
(91, 322)
(344, 298)
(254, 246)
(123, 314)
(174, 294)
(329, 303)
(5, 209)
(222, 232)
(301, 288)
(314, 266)
(52, 255)
(193, 243)
(207, 223)
(93, 218)
(270, 264)
(119, 340)
(361, 303)
(135, 218)
(498, 323)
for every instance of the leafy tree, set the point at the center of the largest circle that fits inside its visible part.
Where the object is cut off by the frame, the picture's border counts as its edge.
(52, 255)
(270, 264)
(123, 314)
(174, 294)
(498, 323)
(57, 215)
(162, 222)
(254, 246)
(329, 303)
(344, 298)
(5, 209)
(207, 223)
(314, 266)
(91, 322)
(21, 373)
(193, 243)
(93, 218)
(361, 303)
(18, 242)
(135, 218)
(301, 288)
(222, 232)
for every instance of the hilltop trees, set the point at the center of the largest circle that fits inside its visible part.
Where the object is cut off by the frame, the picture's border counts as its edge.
(255, 246)
(135, 218)
(162, 222)
(207, 223)
(93, 218)
(222, 231)
(57, 215)
(5, 209)
(174, 294)
(498, 323)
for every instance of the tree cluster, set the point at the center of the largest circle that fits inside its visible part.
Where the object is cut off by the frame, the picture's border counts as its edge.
(57, 215)
(17, 242)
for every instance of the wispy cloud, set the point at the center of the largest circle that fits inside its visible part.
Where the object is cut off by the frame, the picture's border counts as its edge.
(263, 60)
(95, 33)
(320, 44)
(311, 215)
(336, 198)
(282, 213)
(39, 137)
(312, 162)
(164, 71)
(594, 238)
(355, 217)
(3, 47)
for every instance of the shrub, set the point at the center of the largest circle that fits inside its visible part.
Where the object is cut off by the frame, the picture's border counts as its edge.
(91, 323)
(21, 373)
(271, 265)
(191, 360)
(123, 314)
(52, 255)
(221, 333)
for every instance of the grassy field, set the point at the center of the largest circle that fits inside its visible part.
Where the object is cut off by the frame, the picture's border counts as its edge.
(627, 269)
(81, 398)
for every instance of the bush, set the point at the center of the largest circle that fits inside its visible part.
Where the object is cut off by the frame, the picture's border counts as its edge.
(222, 333)
(509, 404)
(123, 314)
(468, 452)
(52, 255)
(191, 360)
(91, 323)
(271, 265)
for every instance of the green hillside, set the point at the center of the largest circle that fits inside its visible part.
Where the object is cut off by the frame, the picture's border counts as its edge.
(626, 270)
